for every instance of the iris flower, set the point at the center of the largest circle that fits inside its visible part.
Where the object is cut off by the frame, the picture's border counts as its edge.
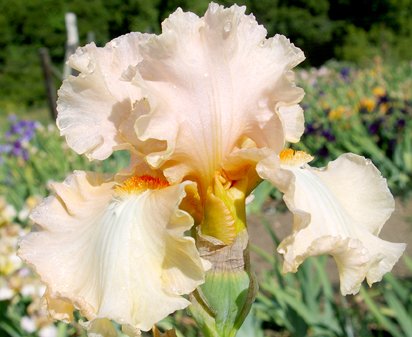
(205, 109)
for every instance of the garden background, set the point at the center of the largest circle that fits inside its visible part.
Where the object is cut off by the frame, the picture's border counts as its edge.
(358, 83)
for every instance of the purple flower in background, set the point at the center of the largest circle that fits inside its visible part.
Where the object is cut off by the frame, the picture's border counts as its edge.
(19, 134)
(310, 128)
(400, 123)
(22, 128)
(15, 129)
(27, 135)
(5, 148)
(345, 73)
(323, 152)
(391, 147)
(374, 127)
(25, 154)
(383, 99)
(17, 148)
(328, 135)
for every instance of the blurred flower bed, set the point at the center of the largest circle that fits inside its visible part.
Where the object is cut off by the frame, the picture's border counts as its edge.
(347, 109)
(368, 112)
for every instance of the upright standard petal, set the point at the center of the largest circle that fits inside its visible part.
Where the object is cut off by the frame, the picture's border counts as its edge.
(94, 106)
(211, 82)
(116, 252)
(338, 210)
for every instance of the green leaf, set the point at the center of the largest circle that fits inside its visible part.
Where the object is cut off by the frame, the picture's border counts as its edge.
(9, 330)
(381, 319)
(402, 316)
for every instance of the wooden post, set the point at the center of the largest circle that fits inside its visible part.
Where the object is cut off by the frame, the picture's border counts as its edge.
(72, 41)
(48, 81)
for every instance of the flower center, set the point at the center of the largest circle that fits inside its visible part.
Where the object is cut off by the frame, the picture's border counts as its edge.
(137, 184)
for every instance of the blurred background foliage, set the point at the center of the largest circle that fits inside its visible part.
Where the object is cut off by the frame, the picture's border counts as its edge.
(347, 30)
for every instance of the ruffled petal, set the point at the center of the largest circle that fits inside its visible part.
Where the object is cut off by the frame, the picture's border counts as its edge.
(337, 210)
(210, 82)
(114, 253)
(94, 106)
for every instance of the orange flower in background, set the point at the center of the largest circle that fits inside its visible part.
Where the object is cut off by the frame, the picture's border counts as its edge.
(379, 91)
(336, 114)
(368, 104)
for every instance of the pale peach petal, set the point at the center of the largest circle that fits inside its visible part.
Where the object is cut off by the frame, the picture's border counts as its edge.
(371, 203)
(101, 327)
(93, 106)
(114, 254)
(293, 122)
(210, 82)
(337, 210)
(59, 308)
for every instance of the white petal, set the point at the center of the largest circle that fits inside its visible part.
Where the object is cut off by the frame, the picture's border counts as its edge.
(117, 256)
(293, 122)
(210, 82)
(6, 293)
(48, 331)
(337, 211)
(370, 202)
(93, 106)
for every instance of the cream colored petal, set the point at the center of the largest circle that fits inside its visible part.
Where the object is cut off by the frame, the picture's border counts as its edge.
(210, 82)
(370, 202)
(101, 327)
(93, 106)
(115, 255)
(59, 308)
(337, 211)
(293, 122)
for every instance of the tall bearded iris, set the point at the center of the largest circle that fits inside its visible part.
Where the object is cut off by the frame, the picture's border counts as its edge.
(205, 110)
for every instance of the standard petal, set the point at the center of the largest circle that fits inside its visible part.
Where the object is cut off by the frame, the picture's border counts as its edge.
(337, 211)
(210, 82)
(114, 254)
(93, 106)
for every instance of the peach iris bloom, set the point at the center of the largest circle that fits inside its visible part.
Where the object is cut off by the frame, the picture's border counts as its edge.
(205, 110)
